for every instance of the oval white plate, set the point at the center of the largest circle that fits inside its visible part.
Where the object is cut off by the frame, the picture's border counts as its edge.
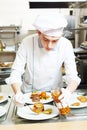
(2, 111)
(29, 100)
(26, 113)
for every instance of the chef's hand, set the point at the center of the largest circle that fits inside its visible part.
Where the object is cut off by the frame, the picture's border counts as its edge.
(19, 99)
(65, 96)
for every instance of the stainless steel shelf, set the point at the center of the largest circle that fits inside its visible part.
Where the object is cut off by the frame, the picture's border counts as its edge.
(7, 56)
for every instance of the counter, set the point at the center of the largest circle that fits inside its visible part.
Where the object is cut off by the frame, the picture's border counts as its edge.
(12, 121)
(78, 125)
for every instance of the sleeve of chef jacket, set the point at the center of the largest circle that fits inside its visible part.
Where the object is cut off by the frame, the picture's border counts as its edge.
(70, 65)
(18, 65)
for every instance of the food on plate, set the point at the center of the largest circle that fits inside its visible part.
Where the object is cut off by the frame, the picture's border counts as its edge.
(36, 96)
(6, 64)
(2, 64)
(1, 97)
(48, 111)
(75, 104)
(43, 95)
(64, 110)
(82, 99)
(38, 107)
(9, 65)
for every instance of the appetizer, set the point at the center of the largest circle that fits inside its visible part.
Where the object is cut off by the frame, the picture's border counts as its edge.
(1, 97)
(82, 99)
(39, 108)
(75, 104)
(36, 96)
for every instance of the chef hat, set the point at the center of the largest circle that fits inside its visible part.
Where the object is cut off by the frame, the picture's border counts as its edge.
(50, 24)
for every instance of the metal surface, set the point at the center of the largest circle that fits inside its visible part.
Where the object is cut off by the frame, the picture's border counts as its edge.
(6, 105)
(76, 114)
(4, 73)
(82, 70)
(81, 58)
(7, 56)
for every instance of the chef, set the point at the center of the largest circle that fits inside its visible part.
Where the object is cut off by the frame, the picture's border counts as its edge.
(39, 59)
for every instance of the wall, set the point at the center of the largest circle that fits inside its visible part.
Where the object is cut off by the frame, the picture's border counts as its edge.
(12, 11)
(17, 12)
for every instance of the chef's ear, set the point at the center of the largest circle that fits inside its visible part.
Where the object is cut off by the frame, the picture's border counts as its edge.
(38, 32)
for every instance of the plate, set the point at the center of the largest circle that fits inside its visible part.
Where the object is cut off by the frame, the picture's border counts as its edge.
(26, 113)
(5, 98)
(2, 111)
(29, 100)
(74, 99)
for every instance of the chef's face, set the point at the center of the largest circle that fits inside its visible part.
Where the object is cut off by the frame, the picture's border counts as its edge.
(48, 42)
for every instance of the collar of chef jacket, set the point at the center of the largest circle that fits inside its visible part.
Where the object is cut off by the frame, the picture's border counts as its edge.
(39, 43)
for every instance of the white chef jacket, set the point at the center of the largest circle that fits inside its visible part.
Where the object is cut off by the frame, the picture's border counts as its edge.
(38, 69)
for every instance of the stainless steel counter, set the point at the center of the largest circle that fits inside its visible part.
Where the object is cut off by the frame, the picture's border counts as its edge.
(11, 116)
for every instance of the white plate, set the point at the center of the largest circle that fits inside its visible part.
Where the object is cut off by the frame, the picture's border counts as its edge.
(26, 113)
(29, 100)
(5, 98)
(74, 99)
(2, 111)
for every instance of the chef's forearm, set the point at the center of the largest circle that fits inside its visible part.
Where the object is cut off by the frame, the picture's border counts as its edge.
(16, 87)
(72, 86)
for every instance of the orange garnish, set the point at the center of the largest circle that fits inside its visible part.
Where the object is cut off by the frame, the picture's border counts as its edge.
(43, 94)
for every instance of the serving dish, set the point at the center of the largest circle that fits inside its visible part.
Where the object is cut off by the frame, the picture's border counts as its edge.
(74, 99)
(29, 100)
(26, 113)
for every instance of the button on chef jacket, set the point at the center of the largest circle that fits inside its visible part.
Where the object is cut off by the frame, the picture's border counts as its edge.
(38, 69)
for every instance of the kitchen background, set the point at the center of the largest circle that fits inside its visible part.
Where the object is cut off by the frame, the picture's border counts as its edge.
(17, 16)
